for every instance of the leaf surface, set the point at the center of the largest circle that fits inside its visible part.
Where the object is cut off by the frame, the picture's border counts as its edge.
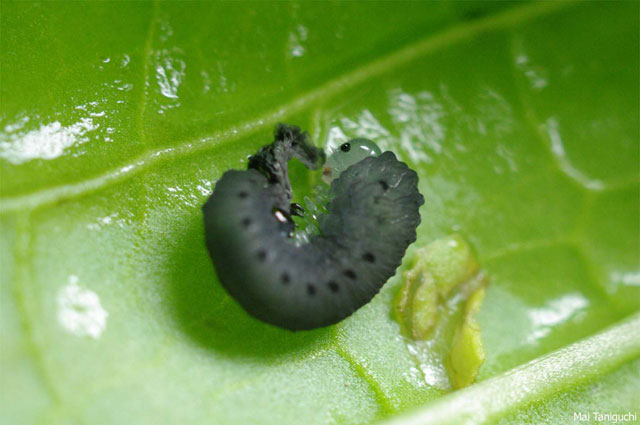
(117, 119)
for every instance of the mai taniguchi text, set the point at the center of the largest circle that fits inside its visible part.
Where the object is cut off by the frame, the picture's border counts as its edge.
(613, 418)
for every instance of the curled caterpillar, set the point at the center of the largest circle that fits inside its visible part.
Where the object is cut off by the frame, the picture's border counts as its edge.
(370, 221)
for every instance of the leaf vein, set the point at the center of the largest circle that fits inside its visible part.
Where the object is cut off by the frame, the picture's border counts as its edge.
(549, 135)
(20, 284)
(146, 56)
(382, 399)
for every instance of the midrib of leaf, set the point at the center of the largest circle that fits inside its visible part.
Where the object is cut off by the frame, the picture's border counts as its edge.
(530, 382)
(340, 84)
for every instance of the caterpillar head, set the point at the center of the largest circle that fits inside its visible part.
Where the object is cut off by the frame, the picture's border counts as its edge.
(346, 155)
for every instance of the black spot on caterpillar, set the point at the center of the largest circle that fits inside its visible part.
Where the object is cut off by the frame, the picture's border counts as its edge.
(371, 220)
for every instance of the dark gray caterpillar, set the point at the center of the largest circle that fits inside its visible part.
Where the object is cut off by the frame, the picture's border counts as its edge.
(371, 220)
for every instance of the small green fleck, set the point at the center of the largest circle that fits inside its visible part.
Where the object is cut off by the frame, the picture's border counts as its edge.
(467, 352)
(424, 307)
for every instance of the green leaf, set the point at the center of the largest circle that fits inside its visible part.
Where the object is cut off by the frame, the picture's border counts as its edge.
(522, 120)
